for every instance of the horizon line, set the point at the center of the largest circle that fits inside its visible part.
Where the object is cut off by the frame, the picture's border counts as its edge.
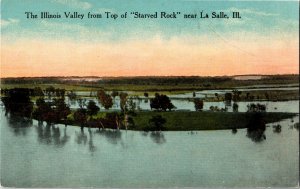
(282, 74)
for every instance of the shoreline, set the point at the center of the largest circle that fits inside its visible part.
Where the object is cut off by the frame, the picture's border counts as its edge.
(188, 120)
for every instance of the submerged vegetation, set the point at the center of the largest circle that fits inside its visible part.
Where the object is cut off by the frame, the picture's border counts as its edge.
(52, 109)
(40, 100)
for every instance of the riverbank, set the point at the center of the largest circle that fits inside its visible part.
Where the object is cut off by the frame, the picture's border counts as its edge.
(185, 120)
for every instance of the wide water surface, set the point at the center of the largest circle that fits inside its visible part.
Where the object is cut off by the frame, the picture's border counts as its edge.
(34, 155)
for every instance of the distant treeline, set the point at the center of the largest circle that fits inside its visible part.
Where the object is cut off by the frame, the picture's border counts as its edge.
(151, 80)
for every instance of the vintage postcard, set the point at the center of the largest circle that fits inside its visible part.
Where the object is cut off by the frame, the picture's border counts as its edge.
(149, 94)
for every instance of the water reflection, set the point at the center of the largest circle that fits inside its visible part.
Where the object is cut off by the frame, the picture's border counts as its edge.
(296, 126)
(19, 125)
(92, 147)
(50, 134)
(256, 128)
(158, 137)
(277, 128)
(112, 136)
(234, 131)
(81, 137)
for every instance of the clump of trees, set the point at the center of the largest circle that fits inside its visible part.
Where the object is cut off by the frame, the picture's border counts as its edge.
(228, 97)
(17, 102)
(92, 108)
(156, 123)
(256, 107)
(105, 99)
(52, 111)
(72, 95)
(277, 128)
(161, 102)
(236, 95)
(198, 103)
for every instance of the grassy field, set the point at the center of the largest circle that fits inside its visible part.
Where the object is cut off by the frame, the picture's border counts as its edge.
(147, 84)
(188, 120)
(184, 120)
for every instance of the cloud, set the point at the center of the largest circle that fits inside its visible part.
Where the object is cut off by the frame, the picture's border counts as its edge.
(75, 4)
(9, 21)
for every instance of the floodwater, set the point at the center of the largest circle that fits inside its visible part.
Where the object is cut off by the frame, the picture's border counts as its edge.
(34, 155)
(183, 104)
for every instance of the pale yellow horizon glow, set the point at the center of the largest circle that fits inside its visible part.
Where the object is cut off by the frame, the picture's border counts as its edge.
(150, 57)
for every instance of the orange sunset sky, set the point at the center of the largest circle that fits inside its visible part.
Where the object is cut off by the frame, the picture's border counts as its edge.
(262, 42)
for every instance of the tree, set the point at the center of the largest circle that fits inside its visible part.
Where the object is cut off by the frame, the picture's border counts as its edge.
(228, 97)
(43, 108)
(92, 108)
(123, 100)
(146, 94)
(198, 104)
(61, 109)
(105, 99)
(81, 103)
(50, 91)
(256, 107)
(37, 91)
(236, 95)
(161, 102)
(72, 95)
(235, 107)
(80, 116)
(18, 102)
(217, 95)
(131, 105)
(157, 123)
(114, 94)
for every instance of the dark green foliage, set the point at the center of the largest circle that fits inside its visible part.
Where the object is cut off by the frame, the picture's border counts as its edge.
(198, 104)
(43, 108)
(80, 116)
(61, 109)
(92, 108)
(228, 97)
(81, 103)
(188, 120)
(37, 91)
(17, 102)
(156, 123)
(105, 99)
(235, 107)
(114, 94)
(256, 107)
(123, 100)
(161, 102)
(51, 112)
(72, 95)
(50, 91)
(217, 95)
(236, 95)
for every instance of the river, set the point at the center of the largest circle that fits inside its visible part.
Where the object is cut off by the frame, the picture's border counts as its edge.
(35, 155)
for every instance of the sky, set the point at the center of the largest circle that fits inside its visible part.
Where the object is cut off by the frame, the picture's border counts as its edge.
(264, 41)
